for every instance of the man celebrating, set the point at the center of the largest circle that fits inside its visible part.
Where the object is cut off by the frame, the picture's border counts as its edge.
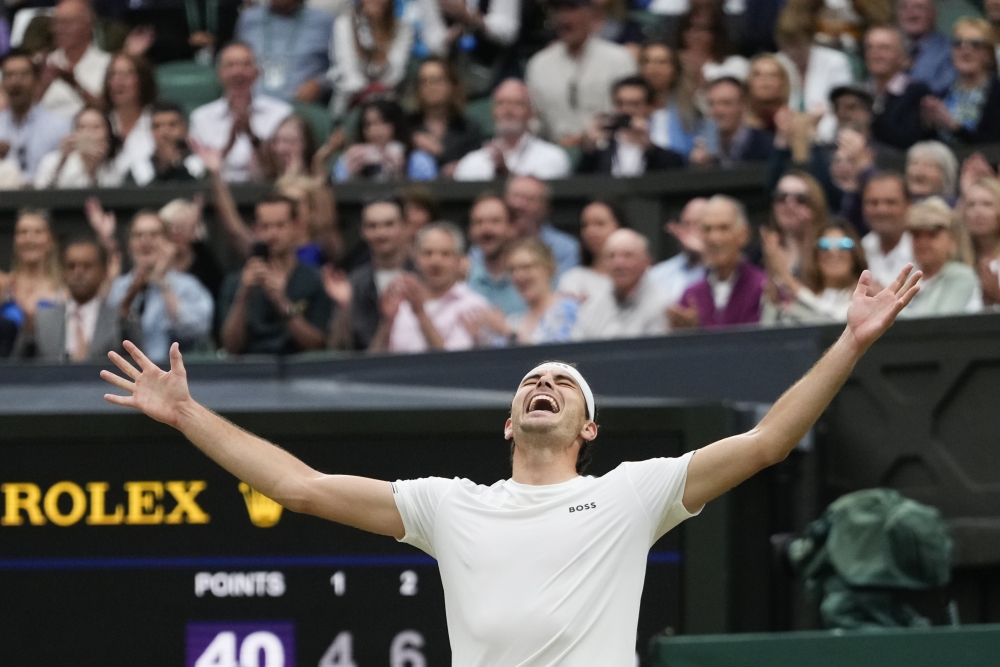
(238, 123)
(28, 132)
(527, 583)
(515, 150)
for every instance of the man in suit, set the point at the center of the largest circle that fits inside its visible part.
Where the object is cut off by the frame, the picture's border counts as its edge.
(727, 140)
(85, 327)
(620, 145)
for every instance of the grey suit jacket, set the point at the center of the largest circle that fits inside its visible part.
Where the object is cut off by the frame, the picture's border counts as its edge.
(49, 340)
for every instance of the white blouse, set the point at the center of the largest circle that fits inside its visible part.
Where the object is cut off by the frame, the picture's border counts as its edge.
(73, 173)
(347, 73)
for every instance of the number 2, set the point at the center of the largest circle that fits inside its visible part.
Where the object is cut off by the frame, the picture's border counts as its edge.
(408, 583)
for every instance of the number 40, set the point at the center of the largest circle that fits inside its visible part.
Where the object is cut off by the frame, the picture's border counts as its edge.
(403, 652)
(222, 651)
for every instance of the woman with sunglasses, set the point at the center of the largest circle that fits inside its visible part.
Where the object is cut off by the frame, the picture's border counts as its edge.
(798, 213)
(941, 251)
(969, 111)
(824, 293)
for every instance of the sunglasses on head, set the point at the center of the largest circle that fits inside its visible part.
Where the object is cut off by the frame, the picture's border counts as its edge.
(957, 43)
(843, 243)
(797, 197)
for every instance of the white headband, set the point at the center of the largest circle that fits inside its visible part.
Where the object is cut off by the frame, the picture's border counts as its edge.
(572, 372)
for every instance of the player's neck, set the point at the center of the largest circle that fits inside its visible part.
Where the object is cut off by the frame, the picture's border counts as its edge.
(540, 466)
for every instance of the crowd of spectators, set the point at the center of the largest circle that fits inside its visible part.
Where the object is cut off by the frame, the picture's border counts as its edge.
(566, 86)
(571, 86)
(419, 283)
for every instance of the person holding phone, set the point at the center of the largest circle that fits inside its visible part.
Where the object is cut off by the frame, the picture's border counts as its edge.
(620, 144)
(85, 159)
(171, 160)
(274, 304)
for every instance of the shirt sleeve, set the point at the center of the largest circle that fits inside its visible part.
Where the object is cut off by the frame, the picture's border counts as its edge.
(659, 485)
(418, 501)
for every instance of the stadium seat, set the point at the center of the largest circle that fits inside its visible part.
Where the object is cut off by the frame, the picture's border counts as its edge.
(319, 120)
(188, 84)
(481, 113)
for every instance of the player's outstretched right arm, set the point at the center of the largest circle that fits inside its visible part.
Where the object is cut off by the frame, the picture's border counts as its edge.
(163, 395)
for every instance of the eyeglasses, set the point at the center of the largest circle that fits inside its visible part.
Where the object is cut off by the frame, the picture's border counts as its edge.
(958, 43)
(843, 243)
(929, 232)
(797, 197)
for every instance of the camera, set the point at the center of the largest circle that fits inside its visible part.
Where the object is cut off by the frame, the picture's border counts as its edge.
(619, 121)
(260, 249)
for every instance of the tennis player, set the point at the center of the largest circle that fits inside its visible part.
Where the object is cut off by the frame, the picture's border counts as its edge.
(544, 569)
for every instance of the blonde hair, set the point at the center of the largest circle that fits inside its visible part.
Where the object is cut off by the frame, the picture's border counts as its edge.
(179, 206)
(53, 270)
(539, 249)
(982, 25)
(992, 186)
(786, 84)
(935, 209)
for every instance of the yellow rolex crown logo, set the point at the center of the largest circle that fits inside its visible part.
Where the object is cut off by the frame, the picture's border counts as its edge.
(263, 511)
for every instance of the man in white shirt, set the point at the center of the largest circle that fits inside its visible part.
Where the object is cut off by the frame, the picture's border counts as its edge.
(238, 123)
(514, 150)
(571, 79)
(73, 75)
(634, 306)
(888, 246)
(544, 569)
(28, 132)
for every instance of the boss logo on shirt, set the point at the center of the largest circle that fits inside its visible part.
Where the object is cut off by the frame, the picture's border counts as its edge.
(580, 508)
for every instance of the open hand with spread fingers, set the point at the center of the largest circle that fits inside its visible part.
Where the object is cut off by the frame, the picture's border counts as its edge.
(868, 317)
(162, 395)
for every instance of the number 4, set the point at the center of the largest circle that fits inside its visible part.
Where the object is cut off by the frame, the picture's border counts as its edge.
(340, 653)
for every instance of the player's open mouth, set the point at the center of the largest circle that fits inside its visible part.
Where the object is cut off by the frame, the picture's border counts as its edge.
(543, 402)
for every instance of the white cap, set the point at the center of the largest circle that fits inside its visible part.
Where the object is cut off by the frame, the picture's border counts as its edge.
(588, 395)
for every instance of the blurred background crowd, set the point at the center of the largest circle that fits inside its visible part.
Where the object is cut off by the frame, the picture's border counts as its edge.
(315, 96)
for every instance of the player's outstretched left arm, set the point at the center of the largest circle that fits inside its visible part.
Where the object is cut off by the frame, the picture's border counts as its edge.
(722, 465)
(364, 503)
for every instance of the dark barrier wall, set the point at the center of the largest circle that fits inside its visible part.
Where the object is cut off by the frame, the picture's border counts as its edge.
(121, 544)
(958, 647)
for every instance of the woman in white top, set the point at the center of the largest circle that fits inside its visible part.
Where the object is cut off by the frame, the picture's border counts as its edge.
(370, 46)
(129, 89)
(85, 159)
(824, 293)
(981, 216)
(598, 220)
(814, 71)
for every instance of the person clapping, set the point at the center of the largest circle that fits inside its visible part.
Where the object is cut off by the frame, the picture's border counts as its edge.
(548, 318)
(164, 304)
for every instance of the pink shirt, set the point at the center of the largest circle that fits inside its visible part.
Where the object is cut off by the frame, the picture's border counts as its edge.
(445, 313)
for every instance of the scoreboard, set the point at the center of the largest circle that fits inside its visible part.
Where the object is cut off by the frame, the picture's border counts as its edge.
(120, 543)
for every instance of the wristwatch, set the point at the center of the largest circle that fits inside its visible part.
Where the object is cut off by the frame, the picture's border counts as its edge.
(291, 310)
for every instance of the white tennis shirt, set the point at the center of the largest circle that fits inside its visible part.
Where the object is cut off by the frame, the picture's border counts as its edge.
(540, 576)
